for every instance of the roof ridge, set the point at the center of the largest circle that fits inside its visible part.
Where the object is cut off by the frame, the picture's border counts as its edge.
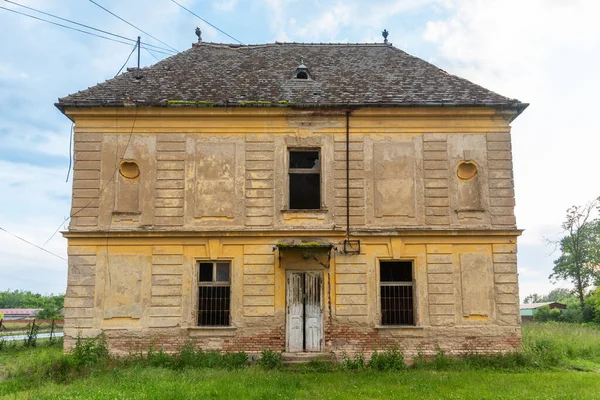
(275, 44)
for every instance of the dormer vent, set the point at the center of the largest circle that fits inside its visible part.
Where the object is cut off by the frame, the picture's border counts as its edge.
(301, 71)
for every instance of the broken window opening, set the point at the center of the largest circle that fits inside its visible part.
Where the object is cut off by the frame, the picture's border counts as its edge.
(397, 294)
(214, 293)
(305, 180)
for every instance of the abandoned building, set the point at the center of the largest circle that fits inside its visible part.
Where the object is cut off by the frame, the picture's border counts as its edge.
(323, 198)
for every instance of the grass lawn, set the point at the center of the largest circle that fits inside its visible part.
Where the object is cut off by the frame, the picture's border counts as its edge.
(559, 361)
(254, 383)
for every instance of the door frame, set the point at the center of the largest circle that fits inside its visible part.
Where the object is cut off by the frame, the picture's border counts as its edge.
(322, 303)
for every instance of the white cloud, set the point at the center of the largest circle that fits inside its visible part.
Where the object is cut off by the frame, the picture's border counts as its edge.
(546, 53)
(38, 141)
(327, 25)
(277, 19)
(224, 5)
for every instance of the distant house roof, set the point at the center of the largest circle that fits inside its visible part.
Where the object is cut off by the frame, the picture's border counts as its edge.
(19, 311)
(340, 75)
(552, 304)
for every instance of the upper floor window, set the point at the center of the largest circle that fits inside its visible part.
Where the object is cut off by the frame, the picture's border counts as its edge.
(305, 179)
(397, 294)
(214, 293)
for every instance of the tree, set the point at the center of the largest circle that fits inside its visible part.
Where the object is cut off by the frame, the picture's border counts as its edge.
(560, 295)
(49, 310)
(580, 249)
(533, 298)
(27, 299)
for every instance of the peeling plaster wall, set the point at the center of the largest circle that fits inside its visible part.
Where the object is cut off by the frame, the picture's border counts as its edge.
(209, 171)
(464, 287)
(213, 186)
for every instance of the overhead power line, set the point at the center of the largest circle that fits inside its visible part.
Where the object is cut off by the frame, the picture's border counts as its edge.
(130, 24)
(76, 29)
(112, 177)
(126, 61)
(65, 26)
(205, 21)
(83, 25)
(151, 53)
(32, 244)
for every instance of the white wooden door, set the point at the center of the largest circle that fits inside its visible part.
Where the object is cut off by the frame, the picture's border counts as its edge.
(295, 312)
(312, 311)
(304, 330)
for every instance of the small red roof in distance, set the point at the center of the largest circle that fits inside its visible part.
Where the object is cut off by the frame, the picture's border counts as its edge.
(19, 311)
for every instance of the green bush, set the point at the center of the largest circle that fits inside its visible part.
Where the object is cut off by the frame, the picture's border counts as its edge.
(235, 360)
(187, 357)
(545, 314)
(156, 358)
(354, 363)
(90, 351)
(389, 360)
(270, 359)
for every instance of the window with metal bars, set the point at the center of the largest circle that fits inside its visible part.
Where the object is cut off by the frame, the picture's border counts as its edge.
(305, 179)
(397, 294)
(214, 293)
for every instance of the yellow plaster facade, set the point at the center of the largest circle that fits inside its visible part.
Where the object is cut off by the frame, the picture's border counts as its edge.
(213, 186)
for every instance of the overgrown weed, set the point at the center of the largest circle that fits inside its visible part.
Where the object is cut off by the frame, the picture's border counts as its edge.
(549, 346)
(357, 362)
(388, 360)
(270, 359)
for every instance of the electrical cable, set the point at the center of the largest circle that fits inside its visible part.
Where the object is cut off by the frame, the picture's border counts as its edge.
(205, 21)
(70, 152)
(126, 61)
(105, 186)
(151, 53)
(65, 26)
(130, 24)
(158, 51)
(83, 25)
(32, 244)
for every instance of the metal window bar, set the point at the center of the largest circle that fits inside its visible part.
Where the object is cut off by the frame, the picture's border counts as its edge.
(213, 305)
(214, 300)
(397, 303)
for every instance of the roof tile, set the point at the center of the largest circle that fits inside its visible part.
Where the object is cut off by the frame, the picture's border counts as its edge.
(262, 75)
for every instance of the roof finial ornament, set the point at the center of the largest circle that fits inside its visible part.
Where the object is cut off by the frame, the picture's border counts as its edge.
(301, 63)
(385, 34)
(199, 34)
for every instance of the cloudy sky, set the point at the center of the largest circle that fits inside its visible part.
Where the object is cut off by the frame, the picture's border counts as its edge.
(545, 52)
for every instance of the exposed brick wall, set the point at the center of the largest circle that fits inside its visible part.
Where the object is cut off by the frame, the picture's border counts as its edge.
(339, 339)
(349, 339)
